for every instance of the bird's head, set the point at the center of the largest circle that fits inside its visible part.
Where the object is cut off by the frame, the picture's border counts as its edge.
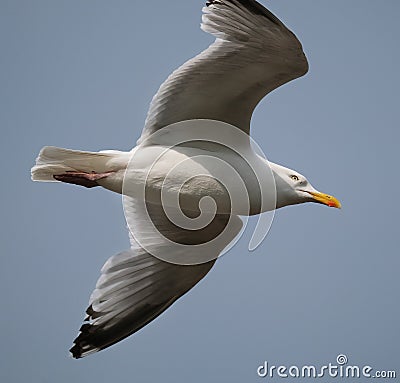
(293, 188)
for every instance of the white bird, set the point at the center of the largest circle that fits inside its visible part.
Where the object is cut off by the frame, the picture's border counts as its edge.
(253, 54)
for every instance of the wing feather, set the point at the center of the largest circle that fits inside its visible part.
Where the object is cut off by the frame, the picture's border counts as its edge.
(253, 54)
(135, 286)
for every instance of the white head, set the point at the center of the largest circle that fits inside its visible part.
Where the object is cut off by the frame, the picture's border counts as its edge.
(293, 188)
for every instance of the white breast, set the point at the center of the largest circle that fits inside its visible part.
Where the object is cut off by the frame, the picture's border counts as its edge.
(184, 176)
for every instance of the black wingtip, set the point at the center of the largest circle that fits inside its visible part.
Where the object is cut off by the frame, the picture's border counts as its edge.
(253, 6)
(80, 347)
(211, 2)
(76, 352)
(82, 344)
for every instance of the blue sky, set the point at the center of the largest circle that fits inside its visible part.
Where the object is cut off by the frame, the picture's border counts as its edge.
(325, 282)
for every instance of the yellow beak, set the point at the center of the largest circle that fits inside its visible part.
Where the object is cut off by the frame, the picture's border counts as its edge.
(326, 199)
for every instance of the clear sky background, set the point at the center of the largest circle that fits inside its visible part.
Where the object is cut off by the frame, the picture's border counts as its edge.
(81, 74)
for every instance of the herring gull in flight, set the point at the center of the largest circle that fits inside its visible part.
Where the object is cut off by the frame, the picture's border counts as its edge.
(253, 54)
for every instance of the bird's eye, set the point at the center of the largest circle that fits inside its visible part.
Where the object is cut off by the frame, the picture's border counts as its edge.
(294, 177)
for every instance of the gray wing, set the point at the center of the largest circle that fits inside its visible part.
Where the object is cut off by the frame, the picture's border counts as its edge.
(254, 53)
(135, 286)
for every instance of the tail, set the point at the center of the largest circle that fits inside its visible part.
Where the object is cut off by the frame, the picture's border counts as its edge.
(53, 161)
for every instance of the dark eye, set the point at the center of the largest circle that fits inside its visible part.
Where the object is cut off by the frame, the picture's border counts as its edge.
(294, 177)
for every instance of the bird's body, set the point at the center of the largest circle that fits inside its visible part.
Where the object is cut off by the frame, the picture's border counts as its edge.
(195, 159)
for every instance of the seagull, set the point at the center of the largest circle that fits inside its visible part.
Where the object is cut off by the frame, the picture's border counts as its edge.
(253, 54)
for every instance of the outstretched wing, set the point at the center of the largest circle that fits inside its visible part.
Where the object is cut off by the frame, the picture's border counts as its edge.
(135, 286)
(254, 53)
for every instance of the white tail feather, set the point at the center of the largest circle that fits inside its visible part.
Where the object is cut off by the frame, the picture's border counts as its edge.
(53, 161)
